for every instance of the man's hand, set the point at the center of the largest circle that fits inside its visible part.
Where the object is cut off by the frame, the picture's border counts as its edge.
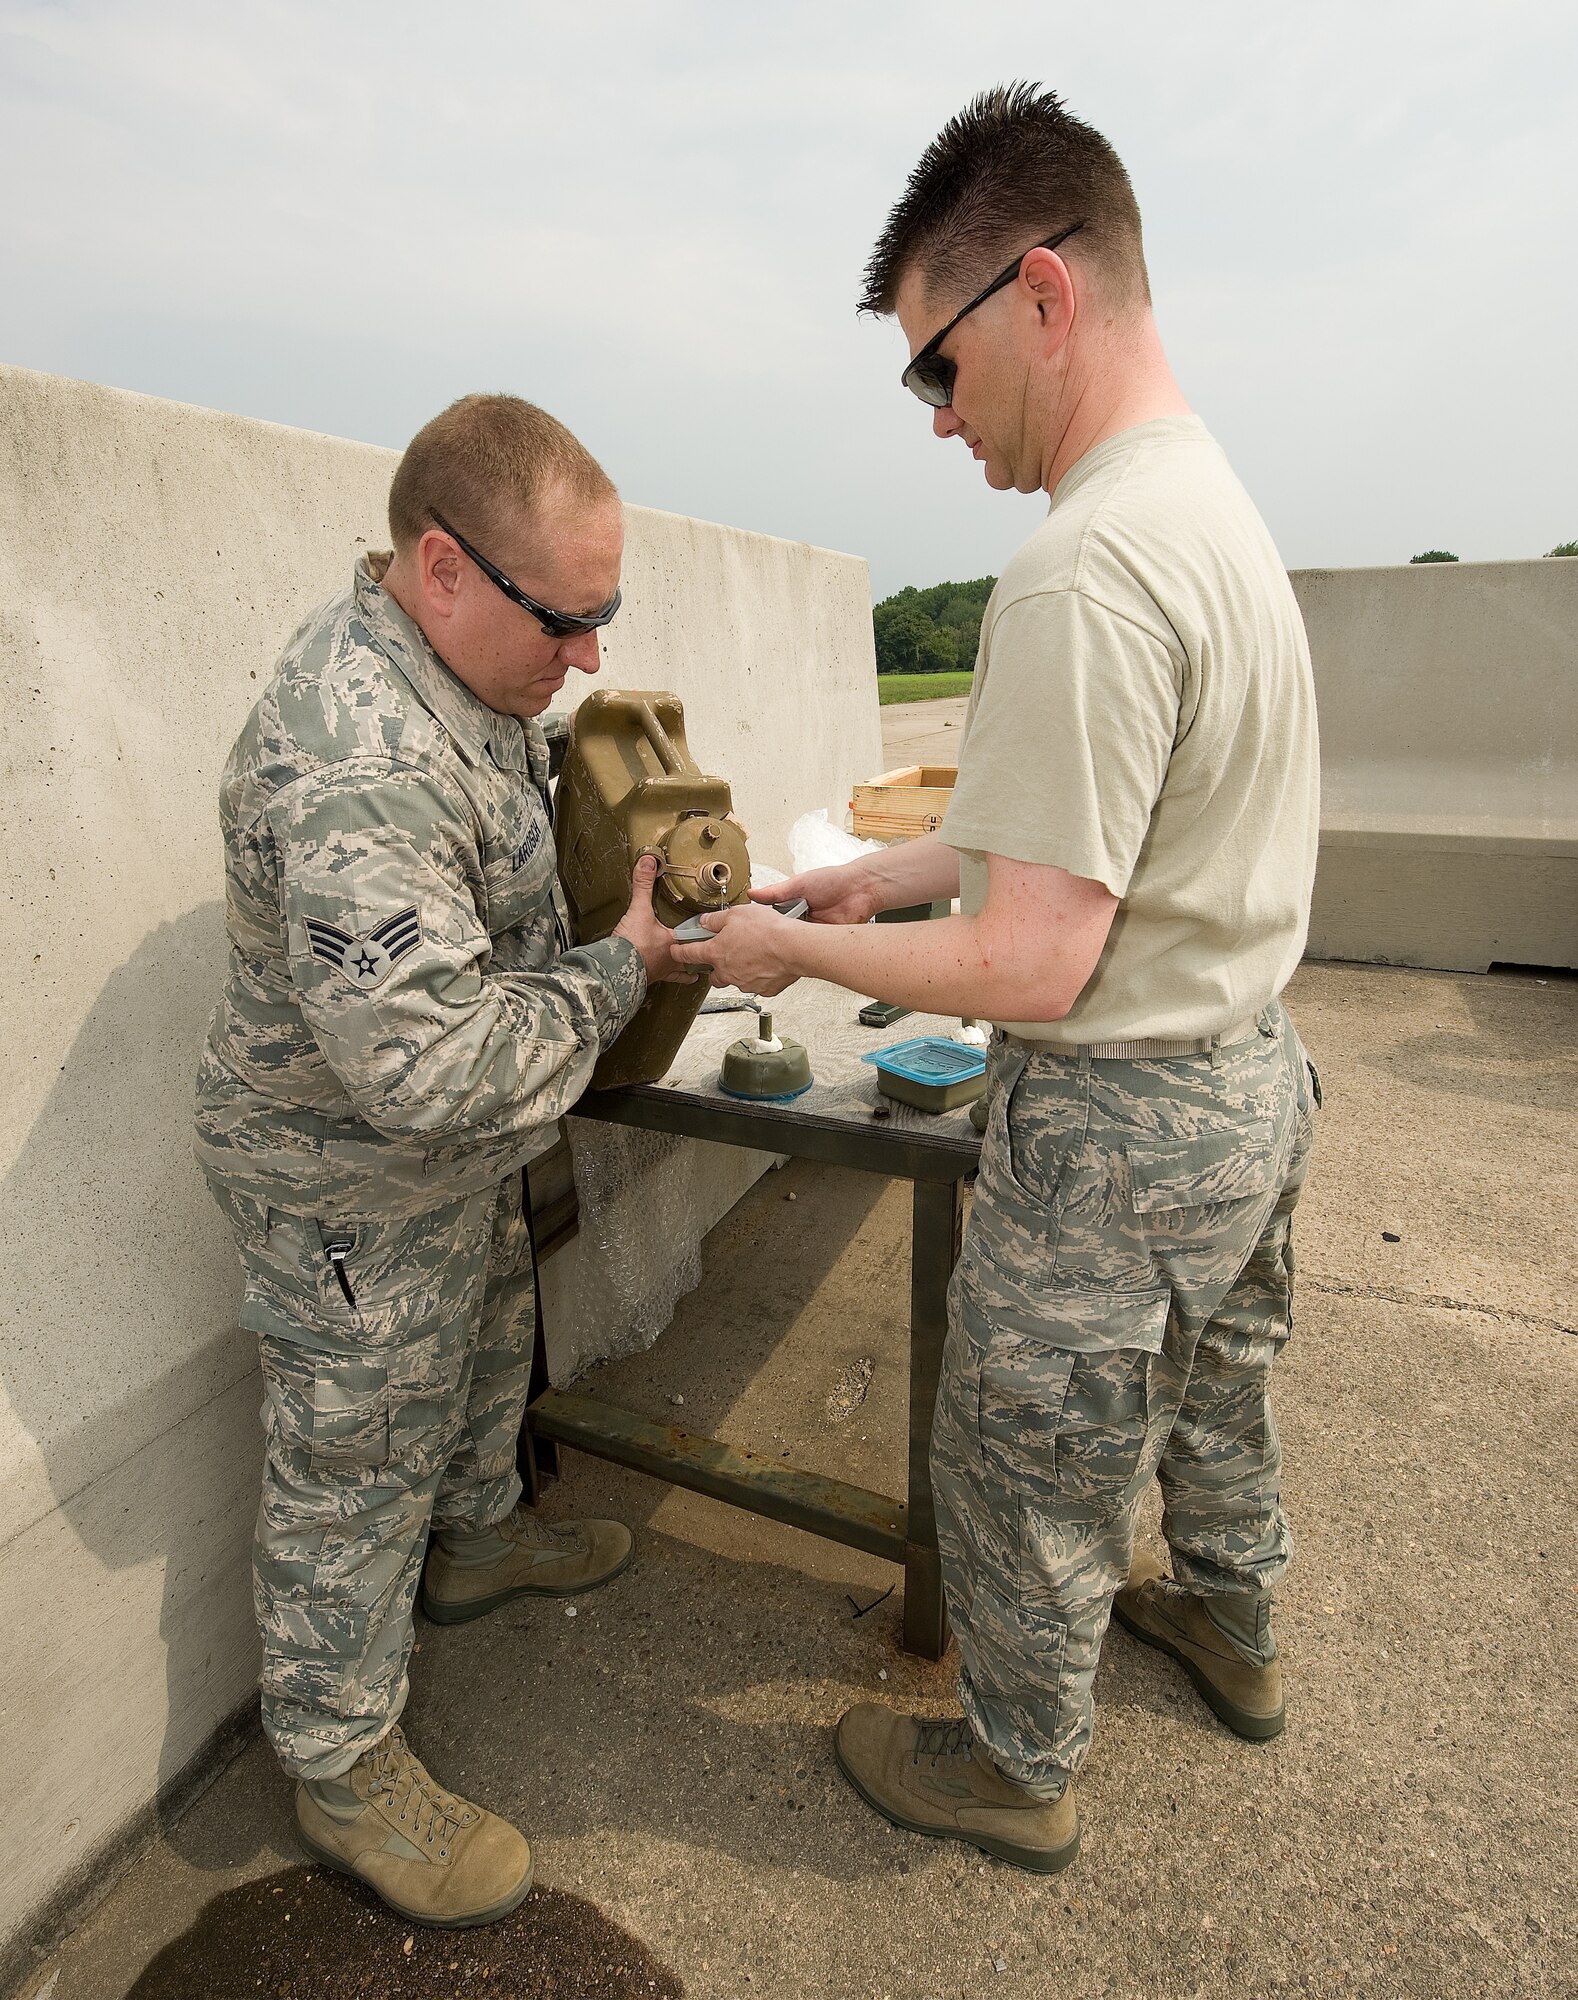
(846, 894)
(750, 946)
(652, 938)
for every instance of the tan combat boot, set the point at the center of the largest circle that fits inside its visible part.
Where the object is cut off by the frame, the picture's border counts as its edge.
(1244, 1693)
(435, 1858)
(468, 1576)
(932, 1777)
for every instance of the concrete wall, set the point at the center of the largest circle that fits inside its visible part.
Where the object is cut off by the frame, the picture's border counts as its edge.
(152, 560)
(1448, 698)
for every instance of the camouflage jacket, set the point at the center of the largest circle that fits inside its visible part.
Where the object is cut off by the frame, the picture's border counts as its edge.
(404, 1009)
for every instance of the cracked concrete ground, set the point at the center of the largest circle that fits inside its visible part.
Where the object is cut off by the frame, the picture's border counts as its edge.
(668, 1750)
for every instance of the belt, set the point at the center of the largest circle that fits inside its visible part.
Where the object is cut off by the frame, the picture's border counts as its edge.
(1145, 1048)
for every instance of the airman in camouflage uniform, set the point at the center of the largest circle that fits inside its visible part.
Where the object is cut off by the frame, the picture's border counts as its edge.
(1132, 839)
(405, 1013)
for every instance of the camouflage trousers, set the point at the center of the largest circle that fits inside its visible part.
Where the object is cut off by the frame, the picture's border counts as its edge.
(392, 1404)
(1124, 1288)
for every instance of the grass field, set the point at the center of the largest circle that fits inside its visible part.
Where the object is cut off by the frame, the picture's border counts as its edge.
(920, 687)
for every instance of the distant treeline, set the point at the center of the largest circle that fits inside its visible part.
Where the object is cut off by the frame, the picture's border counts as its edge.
(931, 631)
(937, 630)
(1446, 555)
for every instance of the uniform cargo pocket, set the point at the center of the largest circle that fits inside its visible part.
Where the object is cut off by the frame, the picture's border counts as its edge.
(350, 1417)
(1080, 1319)
(382, 1283)
(332, 1409)
(1064, 1407)
(1022, 1386)
(358, 1415)
(1230, 1163)
(1101, 1432)
(1015, 1661)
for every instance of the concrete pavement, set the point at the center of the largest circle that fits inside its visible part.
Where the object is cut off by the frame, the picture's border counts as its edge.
(922, 732)
(668, 1747)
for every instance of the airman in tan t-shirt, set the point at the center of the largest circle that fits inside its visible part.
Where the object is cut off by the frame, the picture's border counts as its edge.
(1132, 840)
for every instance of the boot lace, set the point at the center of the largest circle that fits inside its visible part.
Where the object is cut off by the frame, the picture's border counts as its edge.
(943, 1739)
(433, 1815)
(524, 1527)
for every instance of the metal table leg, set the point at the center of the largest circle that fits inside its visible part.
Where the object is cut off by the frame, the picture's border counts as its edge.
(936, 1224)
(536, 1457)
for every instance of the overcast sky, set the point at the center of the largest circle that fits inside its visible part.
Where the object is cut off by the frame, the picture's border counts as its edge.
(1362, 225)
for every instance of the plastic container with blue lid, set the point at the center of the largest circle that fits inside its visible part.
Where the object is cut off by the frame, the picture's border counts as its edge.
(930, 1072)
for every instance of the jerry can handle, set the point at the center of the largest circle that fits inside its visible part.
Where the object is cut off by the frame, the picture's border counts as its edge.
(673, 763)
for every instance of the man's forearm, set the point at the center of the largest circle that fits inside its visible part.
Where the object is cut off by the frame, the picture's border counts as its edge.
(914, 871)
(1024, 956)
(942, 967)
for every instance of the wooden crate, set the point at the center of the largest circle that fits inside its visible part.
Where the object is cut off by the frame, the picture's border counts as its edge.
(900, 805)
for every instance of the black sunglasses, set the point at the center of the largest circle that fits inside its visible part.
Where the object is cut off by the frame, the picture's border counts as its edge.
(930, 375)
(557, 624)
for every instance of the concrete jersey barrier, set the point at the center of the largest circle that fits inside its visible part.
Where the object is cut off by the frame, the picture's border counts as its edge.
(1448, 699)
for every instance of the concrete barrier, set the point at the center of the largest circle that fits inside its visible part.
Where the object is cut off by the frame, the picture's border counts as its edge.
(1448, 697)
(153, 558)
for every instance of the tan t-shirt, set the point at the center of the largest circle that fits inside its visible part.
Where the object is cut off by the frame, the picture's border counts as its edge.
(1144, 715)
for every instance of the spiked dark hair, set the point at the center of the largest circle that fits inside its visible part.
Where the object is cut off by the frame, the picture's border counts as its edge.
(1012, 168)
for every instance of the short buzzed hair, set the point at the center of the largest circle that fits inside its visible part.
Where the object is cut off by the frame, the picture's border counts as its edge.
(486, 462)
(1013, 168)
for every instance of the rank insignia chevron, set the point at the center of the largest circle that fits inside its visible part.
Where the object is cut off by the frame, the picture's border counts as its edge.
(368, 960)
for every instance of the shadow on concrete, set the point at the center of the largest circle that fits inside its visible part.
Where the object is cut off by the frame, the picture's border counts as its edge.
(762, 1268)
(665, 1690)
(1518, 1051)
(695, 1707)
(123, 1365)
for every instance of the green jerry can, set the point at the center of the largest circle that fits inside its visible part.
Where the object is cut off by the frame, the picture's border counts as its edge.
(630, 783)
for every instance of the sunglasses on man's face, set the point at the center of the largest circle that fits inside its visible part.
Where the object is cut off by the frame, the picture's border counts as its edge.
(931, 375)
(557, 624)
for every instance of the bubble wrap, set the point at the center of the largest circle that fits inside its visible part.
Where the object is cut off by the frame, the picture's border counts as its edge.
(640, 1238)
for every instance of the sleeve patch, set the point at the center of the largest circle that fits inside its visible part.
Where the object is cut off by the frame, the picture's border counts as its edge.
(368, 960)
